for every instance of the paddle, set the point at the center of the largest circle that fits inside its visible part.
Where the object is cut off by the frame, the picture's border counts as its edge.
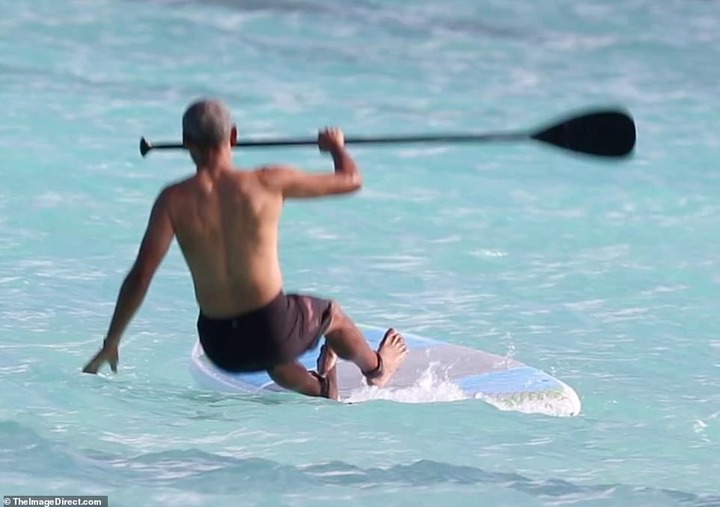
(601, 132)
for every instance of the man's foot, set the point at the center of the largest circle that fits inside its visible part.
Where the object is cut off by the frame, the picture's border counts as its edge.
(327, 372)
(391, 353)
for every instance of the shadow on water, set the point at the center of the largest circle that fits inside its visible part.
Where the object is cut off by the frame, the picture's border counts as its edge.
(23, 451)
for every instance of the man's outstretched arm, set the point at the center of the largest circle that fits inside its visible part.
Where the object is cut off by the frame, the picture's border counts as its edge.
(294, 183)
(155, 244)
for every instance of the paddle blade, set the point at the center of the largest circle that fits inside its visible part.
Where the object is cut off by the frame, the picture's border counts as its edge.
(606, 133)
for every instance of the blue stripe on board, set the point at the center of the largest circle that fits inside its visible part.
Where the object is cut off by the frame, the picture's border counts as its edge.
(522, 379)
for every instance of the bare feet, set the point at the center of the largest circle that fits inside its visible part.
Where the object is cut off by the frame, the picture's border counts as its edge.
(327, 369)
(392, 352)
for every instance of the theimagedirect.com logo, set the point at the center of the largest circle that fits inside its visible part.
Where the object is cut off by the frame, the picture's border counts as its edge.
(55, 501)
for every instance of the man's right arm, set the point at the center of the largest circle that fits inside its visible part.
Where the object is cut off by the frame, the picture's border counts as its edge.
(295, 183)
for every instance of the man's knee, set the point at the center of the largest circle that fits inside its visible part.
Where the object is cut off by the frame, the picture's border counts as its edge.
(282, 375)
(294, 377)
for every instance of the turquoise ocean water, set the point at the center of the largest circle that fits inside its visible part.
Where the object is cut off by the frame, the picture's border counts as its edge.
(603, 274)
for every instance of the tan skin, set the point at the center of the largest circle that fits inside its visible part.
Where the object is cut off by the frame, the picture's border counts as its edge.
(226, 224)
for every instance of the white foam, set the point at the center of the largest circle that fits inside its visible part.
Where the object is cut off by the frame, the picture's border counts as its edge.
(488, 253)
(430, 387)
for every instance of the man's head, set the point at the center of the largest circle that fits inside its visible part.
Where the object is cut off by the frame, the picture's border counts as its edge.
(207, 126)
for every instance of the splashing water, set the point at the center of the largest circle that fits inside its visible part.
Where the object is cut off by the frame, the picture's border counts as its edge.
(430, 387)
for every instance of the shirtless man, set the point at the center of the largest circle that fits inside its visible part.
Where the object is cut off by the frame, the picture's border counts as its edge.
(226, 224)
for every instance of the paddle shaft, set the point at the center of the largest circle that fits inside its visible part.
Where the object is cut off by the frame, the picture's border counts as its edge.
(444, 138)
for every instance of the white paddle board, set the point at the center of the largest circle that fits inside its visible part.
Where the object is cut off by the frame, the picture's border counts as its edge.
(433, 371)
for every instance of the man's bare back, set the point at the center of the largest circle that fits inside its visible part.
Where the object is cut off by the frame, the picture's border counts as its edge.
(226, 223)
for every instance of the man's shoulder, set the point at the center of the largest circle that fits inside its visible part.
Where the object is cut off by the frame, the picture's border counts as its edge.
(274, 174)
(174, 187)
(242, 176)
(172, 191)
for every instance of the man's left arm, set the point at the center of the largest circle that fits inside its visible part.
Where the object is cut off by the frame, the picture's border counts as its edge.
(155, 244)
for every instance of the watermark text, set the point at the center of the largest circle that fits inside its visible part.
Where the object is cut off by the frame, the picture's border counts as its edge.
(54, 501)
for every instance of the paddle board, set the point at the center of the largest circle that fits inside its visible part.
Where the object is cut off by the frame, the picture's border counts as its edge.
(433, 371)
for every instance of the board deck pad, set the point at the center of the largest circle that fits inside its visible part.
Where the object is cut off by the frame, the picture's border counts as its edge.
(501, 381)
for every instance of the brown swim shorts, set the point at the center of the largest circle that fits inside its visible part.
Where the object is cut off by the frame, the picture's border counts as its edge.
(279, 332)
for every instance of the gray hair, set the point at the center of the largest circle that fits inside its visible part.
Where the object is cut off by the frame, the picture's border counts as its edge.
(207, 123)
